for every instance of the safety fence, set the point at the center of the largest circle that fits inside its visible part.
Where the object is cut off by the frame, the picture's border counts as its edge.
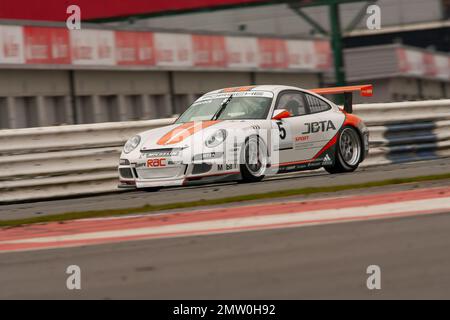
(52, 162)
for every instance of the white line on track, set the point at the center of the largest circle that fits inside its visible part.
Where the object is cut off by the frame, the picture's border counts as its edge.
(275, 220)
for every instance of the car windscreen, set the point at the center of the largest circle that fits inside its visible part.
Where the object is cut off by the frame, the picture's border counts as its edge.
(230, 106)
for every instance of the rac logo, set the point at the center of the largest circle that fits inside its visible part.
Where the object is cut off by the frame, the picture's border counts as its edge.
(322, 126)
(156, 163)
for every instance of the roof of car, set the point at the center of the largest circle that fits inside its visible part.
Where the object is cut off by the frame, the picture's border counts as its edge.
(272, 88)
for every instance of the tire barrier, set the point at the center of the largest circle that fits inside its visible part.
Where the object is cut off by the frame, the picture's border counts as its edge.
(54, 162)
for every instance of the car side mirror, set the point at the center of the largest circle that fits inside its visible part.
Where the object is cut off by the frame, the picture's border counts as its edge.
(281, 114)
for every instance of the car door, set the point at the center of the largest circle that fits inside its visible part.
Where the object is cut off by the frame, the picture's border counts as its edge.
(329, 119)
(296, 141)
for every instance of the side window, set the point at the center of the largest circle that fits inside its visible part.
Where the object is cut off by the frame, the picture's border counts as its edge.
(293, 102)
(316, 105)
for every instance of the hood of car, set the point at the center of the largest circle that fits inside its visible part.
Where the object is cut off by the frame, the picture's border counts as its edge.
(183, 134)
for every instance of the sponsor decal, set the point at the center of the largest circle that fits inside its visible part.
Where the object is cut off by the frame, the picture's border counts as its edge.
(296, 167)
(321, 126)
(301, 138)
(156, 163)
(226, 167)
(159, 153)
(327, 160)
(207, 156)
(235, 94)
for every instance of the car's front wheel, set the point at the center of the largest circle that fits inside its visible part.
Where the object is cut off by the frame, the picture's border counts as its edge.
(253, 160)
(348, 152)
(151, 189)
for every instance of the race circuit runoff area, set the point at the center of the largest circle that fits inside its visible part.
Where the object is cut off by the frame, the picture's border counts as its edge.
(303, 246)
(283, 249)
(239, 218)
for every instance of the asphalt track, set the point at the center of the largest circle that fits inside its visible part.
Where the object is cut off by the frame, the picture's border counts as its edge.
(222, 190)
(298, 262)
(317, 262)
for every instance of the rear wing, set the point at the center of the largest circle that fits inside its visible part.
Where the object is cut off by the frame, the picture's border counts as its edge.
(365, 90)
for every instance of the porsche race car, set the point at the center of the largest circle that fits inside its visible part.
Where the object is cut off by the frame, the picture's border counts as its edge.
(246, 134)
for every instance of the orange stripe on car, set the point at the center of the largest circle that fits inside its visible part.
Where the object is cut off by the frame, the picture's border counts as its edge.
(351, 120)
(238, 89)
(174, 132)
(184, 131)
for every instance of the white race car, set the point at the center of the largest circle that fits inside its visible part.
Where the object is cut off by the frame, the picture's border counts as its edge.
(247, 133)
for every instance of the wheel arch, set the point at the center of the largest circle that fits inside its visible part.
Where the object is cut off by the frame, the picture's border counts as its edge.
(245, 174)
(356, 123)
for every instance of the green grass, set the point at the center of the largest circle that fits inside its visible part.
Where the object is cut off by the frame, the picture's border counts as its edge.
(237, 199)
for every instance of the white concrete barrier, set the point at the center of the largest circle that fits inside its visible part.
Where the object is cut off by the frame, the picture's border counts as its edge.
(51, 162)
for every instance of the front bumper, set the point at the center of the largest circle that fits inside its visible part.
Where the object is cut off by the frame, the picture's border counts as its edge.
(139, 175)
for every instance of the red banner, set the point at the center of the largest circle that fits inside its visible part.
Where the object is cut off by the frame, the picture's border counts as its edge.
(100, 47)
(429, 64)
(134, 48)
(273, 53)
(46, 45)
(209, 51)
(323, 55)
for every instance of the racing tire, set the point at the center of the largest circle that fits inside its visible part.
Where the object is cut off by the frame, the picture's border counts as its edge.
(253, 160)
(349, 150)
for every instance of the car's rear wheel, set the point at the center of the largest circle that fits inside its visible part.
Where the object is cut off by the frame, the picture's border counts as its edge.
(253, 160)
(348, 151)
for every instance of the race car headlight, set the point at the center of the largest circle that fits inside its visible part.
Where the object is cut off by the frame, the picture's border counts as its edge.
(132, 144)
(216, 138)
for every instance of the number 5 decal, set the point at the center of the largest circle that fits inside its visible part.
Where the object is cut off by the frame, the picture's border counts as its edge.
(282, 130)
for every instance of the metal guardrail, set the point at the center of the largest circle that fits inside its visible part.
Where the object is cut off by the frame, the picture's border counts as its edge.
(52, 162)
